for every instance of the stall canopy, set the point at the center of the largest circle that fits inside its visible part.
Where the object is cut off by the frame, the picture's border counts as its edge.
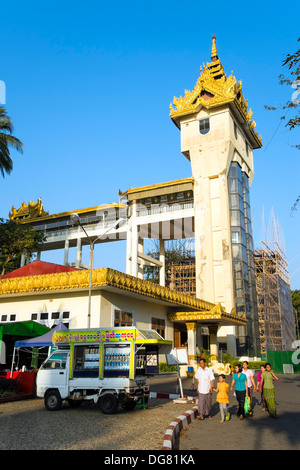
(41, 341)
(29, 329)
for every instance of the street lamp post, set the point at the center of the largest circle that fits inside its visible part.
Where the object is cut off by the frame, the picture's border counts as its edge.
(76, 221)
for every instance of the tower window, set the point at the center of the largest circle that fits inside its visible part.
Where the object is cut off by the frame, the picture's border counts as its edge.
(204, 126)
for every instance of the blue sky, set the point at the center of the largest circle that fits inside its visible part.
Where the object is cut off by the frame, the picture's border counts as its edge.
(88, 87)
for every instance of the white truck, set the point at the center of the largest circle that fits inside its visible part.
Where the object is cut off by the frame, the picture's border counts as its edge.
(108, 366)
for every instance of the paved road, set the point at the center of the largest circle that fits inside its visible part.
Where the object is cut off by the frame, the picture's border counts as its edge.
(27, 425)
(260, 432)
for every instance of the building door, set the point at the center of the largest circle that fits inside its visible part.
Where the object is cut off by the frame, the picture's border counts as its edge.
(180, 335)
(177, 342)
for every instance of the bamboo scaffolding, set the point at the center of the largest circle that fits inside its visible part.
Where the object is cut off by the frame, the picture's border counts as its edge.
(275, 312)
(182, 277)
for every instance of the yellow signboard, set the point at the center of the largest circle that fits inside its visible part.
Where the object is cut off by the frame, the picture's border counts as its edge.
(90, 336)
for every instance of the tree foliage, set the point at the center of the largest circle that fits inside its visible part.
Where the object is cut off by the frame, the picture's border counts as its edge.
(292, 107)
(292, 62)
(17, 239)
(7, 140)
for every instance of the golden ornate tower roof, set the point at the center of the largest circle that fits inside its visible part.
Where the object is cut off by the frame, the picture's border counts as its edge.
(29, 211)
(213, 89)
(214, 52)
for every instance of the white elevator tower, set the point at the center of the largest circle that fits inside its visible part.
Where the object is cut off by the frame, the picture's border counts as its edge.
(218, 137)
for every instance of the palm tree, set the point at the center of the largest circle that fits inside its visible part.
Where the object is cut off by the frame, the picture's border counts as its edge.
(7, 140)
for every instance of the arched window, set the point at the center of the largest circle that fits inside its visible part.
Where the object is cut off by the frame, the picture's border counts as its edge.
(204, 126)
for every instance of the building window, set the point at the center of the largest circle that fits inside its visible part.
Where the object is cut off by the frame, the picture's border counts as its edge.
(242, 246)
(53, 318)
(9, 317)
(123, 318)
(204, 126)
(159, 325)
(66, 319)
(180, 195)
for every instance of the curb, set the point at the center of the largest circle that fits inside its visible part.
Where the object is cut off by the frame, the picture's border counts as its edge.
(176, 427)
(171, 396)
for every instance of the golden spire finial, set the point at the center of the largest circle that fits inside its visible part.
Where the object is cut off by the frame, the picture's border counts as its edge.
(214, 53)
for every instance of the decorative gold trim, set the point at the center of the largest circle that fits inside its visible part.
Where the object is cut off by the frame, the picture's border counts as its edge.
(191, 326)
(157, 186)
(214, 52)
(216, 313)
(100, 277)
(67, 281)
(30, 211)
(87, 210)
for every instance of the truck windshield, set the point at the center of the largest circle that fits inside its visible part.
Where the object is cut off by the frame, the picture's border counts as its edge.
(56, 361)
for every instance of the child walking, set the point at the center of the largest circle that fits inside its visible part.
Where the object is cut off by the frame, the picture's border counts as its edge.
(222, 398)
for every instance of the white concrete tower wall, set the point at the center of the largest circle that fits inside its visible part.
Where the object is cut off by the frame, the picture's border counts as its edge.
(216, 130)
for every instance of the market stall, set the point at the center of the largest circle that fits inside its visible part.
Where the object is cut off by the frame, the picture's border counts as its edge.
(15, 331)
(18, 384)
(37, 343)
(32, 345)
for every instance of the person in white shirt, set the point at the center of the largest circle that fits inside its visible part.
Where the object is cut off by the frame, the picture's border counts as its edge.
(250, 379)
(205, 384)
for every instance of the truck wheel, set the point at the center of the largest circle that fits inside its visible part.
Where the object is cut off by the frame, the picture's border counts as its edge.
(108, 403)
(53, 400)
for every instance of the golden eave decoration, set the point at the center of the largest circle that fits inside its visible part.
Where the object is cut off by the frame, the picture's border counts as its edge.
(217, 314)
(106, 277)
(79, 279)
(32, 210)
(45, 216)
(214, 88)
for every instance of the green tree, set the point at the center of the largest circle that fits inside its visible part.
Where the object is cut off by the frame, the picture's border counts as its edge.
(17, 239)
(292, 61)
(296, 304)
(7, 140)
(291, 109)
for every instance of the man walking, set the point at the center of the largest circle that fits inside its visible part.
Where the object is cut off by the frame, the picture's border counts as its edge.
(205, 384)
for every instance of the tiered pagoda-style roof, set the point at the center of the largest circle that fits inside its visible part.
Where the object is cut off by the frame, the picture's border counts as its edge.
(214, 88)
